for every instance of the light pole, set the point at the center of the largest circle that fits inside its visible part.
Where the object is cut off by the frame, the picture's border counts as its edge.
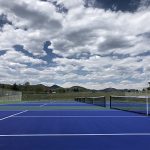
(147, 98)
(146, 94)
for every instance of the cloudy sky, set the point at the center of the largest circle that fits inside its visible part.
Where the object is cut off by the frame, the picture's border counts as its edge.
(92, 43)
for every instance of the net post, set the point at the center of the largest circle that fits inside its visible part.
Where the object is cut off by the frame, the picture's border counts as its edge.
(105, 101)
(110, 101)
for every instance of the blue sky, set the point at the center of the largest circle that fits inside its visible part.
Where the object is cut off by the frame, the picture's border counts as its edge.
(92, 43)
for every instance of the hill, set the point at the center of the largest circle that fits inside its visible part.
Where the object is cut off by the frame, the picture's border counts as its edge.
(40, 88)
(78, 89)
(54, 87)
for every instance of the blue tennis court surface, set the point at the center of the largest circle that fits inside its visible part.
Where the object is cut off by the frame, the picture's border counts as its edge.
(71, 126)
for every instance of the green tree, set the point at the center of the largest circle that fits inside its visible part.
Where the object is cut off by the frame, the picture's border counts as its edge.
(27, 84)
(15, 87)
(76, 90)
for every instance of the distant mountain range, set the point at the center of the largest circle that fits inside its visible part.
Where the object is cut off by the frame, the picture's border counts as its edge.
(55, 88)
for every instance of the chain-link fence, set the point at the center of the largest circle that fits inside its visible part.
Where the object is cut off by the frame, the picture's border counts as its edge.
(8, 95)
(138, 93)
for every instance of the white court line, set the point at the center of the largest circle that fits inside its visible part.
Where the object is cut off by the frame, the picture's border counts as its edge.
(80, 116)
(74, 135)
(43, 105)
(13, 115)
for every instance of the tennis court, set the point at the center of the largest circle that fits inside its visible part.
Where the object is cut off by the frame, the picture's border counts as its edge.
(71, 125)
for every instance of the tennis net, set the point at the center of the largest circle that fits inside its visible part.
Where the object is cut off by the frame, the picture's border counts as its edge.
(137, 104)
(99, 101)
(80, 99)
